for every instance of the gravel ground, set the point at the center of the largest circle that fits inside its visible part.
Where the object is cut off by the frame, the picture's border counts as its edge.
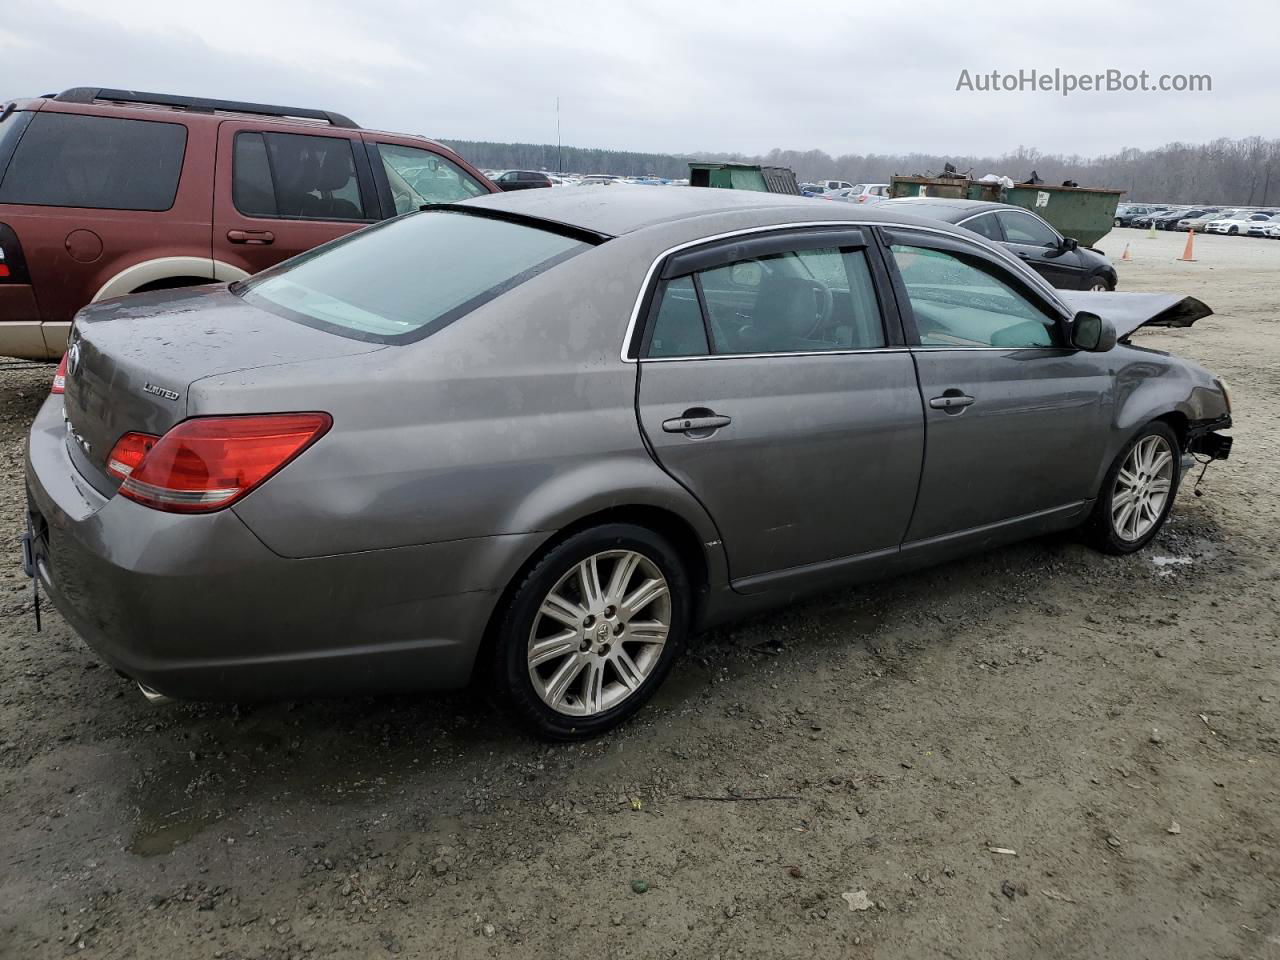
(1036, 752)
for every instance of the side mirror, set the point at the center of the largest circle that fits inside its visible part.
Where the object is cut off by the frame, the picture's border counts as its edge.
(1069, 244)
(1090, 332)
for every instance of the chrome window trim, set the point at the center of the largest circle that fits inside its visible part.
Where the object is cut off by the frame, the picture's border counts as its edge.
(756, 356)
(1019, 267)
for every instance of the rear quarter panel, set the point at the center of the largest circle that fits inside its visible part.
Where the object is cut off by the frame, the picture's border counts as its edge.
(519, 417)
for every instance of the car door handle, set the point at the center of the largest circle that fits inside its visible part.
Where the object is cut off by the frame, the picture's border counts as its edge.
(693, 424)
(250, 236)
(951, 401)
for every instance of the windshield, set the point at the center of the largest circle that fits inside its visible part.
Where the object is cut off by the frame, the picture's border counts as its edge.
(406, 278)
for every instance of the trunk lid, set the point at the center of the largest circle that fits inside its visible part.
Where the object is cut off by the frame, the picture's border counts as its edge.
(131, 362)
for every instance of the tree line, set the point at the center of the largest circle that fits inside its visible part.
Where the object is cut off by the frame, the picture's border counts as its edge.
(1244, 171)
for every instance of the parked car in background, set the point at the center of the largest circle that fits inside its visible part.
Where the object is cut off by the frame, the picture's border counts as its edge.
(1170, 219)
(829, 185)
(522, 180)
(108, 192)
(1236, 223)
(1147, 220)
(861, 193)
(810, 189)
(933, 395)
(1197, 223)
(1259, 228)
(1126, 212)
(1062, 261)
(602, 180)
(1273, 231)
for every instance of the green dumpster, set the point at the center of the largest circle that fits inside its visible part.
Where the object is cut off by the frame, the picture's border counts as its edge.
(1084, 213)
(743, 176)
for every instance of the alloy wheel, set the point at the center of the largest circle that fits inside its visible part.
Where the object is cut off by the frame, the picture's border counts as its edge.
(1142, 488)
(1100, 285)
(599, 633)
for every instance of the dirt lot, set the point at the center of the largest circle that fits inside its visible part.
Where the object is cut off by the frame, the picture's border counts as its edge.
(1113, 721)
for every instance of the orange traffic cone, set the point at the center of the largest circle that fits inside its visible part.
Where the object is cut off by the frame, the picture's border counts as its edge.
(1188, 252)
(1125, 255)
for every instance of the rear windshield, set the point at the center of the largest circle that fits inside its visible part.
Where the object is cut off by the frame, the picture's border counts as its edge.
(406, 278)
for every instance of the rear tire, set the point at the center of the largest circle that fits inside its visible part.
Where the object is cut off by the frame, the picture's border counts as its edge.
(580, 645)
(1138, 491)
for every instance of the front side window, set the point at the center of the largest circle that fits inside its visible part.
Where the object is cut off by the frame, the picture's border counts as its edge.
(108, 163)
(296, 176)
(794, 302)
(418, 177)
(957, 303)
(406, 278)
(1026, 229)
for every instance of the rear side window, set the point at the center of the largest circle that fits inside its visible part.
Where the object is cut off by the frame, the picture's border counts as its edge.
(297, 177)
(802, 301)
(70, 160)
(403, 279)
(986, 226)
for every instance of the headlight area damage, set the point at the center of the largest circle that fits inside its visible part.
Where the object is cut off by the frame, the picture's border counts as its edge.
(1128, 312)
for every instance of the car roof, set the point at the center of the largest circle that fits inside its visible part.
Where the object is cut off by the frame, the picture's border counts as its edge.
(949, 210)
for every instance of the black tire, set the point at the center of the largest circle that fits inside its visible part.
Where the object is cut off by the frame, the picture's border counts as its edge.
(510, 666)
(1096, 277)
(1100, 528)
(1118, 222)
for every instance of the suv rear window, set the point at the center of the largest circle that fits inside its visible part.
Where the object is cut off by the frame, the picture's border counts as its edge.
(72, 160)
(403, 279)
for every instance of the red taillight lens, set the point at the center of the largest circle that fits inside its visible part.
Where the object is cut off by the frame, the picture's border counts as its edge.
(128, 453)
(60, 377)
(208, 463)
(4, 269)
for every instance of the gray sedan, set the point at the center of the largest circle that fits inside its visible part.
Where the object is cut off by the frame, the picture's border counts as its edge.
(540, 439)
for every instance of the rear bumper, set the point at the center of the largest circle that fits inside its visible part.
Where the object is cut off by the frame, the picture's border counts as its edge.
(197, 607)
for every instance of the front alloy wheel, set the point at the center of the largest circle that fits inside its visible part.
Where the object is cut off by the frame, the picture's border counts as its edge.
(1142, 488)
(1138, 491)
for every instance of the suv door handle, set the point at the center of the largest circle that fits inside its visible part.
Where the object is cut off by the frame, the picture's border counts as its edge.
(250, 236)
(951, 401)
(703, 421)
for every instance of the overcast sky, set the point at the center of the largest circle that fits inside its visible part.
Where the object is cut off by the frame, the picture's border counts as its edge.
(678, 76)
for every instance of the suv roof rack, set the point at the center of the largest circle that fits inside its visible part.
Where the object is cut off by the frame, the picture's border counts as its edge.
(201, 104)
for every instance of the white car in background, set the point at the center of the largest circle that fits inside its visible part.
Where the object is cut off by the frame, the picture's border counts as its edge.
(1259, 228)
(831, 186)
(1235, 224)
(861, 193)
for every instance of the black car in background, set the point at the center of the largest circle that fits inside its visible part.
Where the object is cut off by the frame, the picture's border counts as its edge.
(1169, 221)
(1128, 213)
(1060, 260)
(522, 180)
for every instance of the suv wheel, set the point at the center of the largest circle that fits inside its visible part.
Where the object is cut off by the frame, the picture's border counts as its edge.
(591, 631)
(1138, 491)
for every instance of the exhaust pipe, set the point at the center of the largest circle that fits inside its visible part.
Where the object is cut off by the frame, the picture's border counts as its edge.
(154, 697)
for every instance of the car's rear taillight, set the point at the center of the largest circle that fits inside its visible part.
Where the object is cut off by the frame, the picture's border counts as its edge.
(208, 463)
(60, 377)
(128, 453)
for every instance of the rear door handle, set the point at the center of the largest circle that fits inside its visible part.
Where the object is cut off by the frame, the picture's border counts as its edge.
(951, 402)
(694, 424)
(250, 236)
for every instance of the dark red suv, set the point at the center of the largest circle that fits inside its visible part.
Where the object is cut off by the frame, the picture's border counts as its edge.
(108, 192)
